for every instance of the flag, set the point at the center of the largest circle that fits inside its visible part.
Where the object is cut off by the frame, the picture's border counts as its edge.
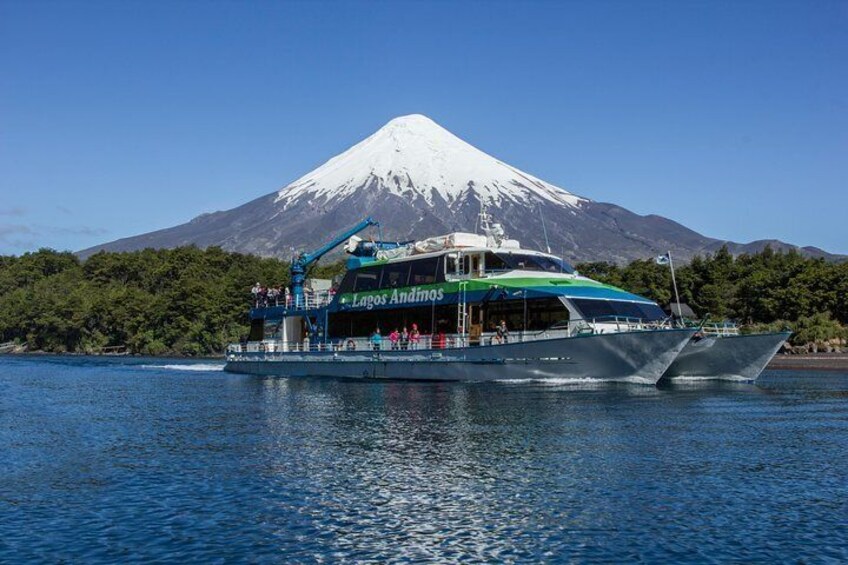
(663, 259)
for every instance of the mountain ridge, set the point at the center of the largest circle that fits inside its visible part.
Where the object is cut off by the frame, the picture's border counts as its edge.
(420, 180)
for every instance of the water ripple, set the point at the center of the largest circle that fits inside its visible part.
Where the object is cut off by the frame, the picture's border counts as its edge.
(107, 461)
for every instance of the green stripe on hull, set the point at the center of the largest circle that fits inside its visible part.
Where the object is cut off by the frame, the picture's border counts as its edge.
(475, 289)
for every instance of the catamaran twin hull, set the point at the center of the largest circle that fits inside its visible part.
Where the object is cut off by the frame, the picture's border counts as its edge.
(639, 356)
(734, 357)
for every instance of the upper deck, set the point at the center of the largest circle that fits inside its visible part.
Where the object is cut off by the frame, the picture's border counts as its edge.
(462, 275)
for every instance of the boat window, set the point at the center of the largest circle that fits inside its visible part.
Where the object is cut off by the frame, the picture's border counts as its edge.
(652, 312)
(450, 264)
(367, 279)
(471, 264)
(347, 282)
(594, 309)
(423, 271)
(526, 262)
(395, 275)
(495, 262)
(536, 315)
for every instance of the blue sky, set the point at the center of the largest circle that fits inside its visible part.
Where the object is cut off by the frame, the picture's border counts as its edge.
(118, 118)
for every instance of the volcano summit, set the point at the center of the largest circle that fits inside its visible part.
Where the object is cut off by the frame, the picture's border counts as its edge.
(419, 180)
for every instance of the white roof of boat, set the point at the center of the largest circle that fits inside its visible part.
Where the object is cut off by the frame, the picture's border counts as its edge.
(467, 250)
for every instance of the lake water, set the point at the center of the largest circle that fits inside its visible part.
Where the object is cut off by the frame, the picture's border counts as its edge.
(105, 460)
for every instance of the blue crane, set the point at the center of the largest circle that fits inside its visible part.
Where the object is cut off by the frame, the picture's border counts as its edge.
(303, 260)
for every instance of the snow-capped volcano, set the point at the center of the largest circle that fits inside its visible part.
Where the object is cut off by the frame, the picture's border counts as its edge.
(414, 157)
(419, 180)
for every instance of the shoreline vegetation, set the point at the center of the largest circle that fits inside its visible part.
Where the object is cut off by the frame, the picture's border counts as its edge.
(188, 302)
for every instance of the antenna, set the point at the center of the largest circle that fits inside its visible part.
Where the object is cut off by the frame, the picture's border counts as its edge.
(544, 230)
(674, 283)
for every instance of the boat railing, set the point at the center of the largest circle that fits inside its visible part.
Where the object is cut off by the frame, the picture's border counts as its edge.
(424, 342)
(309, 300)
(612, 323)
(432, 342)
(720, 330)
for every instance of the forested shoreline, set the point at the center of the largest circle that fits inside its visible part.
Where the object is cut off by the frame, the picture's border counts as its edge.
(188, 301)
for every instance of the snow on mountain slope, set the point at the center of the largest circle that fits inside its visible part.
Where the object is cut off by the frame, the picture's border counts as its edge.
(413, 156)
(419, 180)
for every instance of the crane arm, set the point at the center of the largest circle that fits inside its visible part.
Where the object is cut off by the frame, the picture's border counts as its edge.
(306, 259)
(302, 261)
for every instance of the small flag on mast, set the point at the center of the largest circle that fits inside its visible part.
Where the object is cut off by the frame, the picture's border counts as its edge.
(663, 259)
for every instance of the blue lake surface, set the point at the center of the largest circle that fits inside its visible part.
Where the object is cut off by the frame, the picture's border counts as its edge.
(120, 460)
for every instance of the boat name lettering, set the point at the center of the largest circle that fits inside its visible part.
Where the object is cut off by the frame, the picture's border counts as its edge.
(410, 296)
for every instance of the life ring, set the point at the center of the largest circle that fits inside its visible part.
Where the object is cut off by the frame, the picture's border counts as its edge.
(350, 345)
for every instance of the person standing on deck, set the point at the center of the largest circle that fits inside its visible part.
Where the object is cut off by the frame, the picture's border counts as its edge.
(376, 340)
(257, 288)
(502, 332)
(404, 339)
(414, 336)
(273, 293)
(394, 338)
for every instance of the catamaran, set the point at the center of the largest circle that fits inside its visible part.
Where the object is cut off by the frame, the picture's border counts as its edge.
(719, 351)
(479, 308)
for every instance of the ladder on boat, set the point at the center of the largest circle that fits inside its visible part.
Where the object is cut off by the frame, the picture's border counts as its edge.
(462, 314)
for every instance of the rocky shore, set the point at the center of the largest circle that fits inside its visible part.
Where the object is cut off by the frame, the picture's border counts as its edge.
(811, 362)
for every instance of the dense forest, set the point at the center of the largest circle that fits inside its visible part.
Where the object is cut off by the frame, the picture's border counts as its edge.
(763, 291)
(182, 301)
(189, 301)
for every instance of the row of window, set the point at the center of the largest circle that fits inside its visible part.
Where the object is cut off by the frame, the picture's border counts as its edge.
(429, 271)
(595, 309)
(394, 275)
(534, 315)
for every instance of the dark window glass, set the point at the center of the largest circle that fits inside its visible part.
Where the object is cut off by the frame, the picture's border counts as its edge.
(533, 263)
(593, 308)
(450, 263)
(536, 315)
(367, 279)
(495, 262)
(395, 275)
(617, 308)
(423, 271)
(652, 312)
(347, 282)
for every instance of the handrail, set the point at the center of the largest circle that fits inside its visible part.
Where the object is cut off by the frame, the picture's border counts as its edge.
(309, 300)
(434, 342)
(723, 329)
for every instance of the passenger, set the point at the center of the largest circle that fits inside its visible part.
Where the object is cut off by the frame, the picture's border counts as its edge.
(439, 340)
(287, 294)
(414, 336)
(404, 339)
(263, 297)
(502, 332)
(394, 338)
(255, 293)
(376, 340)
(273, 293)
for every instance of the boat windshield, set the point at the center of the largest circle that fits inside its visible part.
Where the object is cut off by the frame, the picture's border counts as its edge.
(597, 309)
(526, 262)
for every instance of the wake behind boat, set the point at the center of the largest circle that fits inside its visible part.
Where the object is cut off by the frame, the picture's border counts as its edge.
(472, 307)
